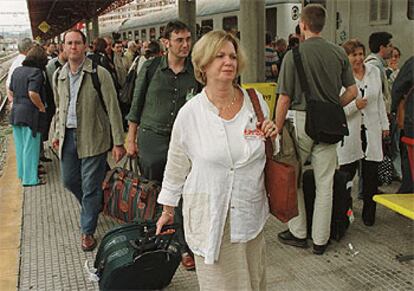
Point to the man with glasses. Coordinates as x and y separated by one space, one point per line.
381 48
161 89
85 126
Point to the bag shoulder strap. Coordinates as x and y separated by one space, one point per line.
301 72
260 117
97 84
152 68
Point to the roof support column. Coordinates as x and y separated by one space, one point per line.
92 28
187 14
252 31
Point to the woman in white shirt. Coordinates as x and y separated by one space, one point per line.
367 123
215 163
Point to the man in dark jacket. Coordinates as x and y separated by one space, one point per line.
403 89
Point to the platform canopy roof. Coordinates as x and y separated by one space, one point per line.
49 18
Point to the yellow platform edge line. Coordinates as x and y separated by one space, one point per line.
11 193
381 199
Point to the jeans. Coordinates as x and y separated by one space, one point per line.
324 161
83 177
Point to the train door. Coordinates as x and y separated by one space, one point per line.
271 21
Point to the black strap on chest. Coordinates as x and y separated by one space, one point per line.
97 84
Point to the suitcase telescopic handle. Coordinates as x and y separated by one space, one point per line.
167 230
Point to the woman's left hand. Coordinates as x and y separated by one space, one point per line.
269 129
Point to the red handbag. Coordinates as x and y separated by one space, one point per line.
280 178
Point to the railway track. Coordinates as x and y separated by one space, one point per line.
5 128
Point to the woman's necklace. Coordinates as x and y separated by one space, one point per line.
225 108
228 106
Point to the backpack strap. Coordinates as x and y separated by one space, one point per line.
301 72
152 68
97 84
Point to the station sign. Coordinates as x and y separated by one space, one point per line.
44 26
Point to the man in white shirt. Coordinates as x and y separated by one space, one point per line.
24 45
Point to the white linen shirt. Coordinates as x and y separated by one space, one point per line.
374 117
200 166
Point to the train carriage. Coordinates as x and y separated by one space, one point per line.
281 18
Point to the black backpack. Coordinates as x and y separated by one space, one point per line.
127 91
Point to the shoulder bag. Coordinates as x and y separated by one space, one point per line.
280 178
325 121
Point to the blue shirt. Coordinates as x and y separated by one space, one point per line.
74 85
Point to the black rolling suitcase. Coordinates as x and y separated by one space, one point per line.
342 203
132 257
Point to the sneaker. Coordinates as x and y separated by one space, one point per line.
287 238
319 249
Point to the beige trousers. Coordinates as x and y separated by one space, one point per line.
324 161
241 266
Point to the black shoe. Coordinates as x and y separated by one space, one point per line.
319 250
368 222
287 238
45 160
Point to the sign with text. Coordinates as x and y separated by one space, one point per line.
268 90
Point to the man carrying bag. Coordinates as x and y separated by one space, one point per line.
327 69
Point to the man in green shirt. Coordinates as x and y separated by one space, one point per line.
158 96
327 70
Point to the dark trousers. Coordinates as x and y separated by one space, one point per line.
152 154
407 183
369 177
369 173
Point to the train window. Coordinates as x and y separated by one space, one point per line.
162 28
136 34
129 35
271 21
143 34
410 9
379 12
152 33
207 22
230 23
124 35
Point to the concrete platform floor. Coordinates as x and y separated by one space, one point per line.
51 258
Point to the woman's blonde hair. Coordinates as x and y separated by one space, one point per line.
206 49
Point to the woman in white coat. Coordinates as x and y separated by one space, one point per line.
368 124
215 163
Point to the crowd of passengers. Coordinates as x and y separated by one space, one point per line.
194 129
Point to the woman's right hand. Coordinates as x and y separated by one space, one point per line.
167 217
